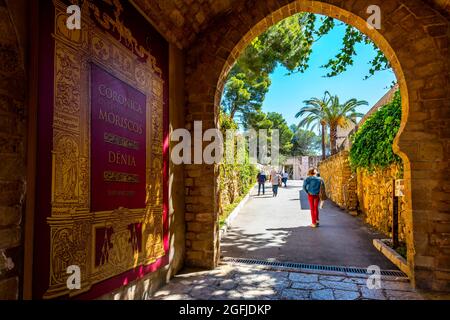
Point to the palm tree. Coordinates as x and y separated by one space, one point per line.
341 115
314 108
329 112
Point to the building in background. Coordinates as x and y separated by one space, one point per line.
298 167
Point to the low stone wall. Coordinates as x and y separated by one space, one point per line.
369 193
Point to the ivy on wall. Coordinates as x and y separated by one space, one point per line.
372 143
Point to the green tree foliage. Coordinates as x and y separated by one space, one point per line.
372 143
304 142
244 93
259 121
226 122
341 115
344 58
288 43
285 133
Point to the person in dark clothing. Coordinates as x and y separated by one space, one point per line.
284 178
262 178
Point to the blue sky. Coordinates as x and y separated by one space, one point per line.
287 92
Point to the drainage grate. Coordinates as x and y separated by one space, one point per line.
294 265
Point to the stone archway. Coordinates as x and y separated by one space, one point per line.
414 38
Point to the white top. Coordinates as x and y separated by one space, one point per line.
275 179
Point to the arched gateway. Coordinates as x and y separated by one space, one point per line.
414 38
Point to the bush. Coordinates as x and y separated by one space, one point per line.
235 180
372 143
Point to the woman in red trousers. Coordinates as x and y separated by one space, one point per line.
312 185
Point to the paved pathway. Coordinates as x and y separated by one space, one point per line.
277 229
241 282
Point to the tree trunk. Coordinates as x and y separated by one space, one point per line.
333 138
232 113
323 142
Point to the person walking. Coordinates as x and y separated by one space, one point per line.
262 178
275 179
312 186
284 179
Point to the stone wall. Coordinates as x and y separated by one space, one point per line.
340 183
369 193
177 222
375 192
182 21
13 131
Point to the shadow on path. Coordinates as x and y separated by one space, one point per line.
304 203
277 229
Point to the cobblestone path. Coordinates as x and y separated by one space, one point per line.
241 282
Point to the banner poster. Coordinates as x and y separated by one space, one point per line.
101 198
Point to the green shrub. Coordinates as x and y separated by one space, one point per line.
372 143
235 180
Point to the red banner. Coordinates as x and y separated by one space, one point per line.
118 143
103 137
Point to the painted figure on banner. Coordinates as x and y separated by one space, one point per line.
62 254
68 159
156 181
